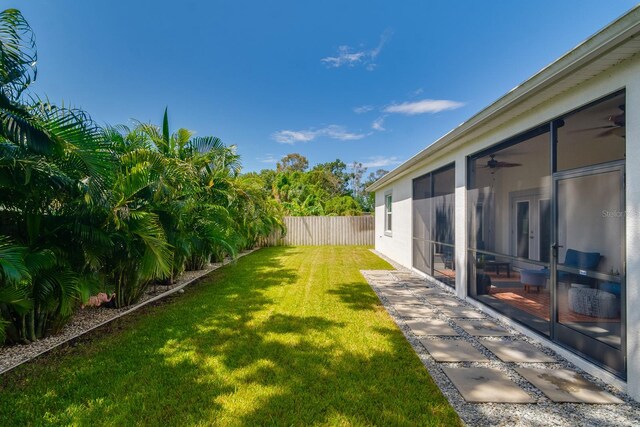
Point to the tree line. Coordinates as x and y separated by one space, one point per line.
330 188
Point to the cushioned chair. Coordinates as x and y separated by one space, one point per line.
580 260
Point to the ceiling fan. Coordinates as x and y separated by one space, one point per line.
615 126
492 163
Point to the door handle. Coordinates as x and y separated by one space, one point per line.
555 248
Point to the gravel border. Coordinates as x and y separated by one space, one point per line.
87 319
542 413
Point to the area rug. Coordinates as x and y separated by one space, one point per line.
537 304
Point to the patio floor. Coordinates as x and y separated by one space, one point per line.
490 373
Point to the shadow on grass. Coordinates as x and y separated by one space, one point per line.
357 295
224 354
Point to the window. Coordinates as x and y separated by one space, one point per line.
388 201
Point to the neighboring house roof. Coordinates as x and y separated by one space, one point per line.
608 47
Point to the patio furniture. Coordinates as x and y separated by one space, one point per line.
447 258
593 302
483 283
534 277
497 265
582 261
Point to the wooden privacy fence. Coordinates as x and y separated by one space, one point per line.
325 230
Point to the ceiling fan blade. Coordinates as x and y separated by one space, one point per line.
617 131
593 128
499 165
507 165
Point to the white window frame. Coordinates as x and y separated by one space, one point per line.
388 213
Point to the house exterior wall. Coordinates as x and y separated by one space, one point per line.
633 229
399 242
398 246
395 242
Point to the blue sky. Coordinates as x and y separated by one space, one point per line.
368 81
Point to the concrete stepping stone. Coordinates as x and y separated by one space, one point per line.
428 292
417 284
398 292
404 299
564 385
431 327
517 351
445 301
400 275
461 312
414 311
486 385
483 328
382 275
453 351
384 283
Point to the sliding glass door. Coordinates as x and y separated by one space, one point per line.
589 263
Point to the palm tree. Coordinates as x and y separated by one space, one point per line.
195 216
54 163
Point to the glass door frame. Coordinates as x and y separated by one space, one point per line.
536 235
565 335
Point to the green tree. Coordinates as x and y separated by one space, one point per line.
368 201
293 162
335 175
342 206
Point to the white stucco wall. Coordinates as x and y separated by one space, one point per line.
398 246
632 80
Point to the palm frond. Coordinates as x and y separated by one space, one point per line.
12 261
18 54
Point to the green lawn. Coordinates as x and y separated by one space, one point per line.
286 336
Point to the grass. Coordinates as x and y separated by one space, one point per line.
286 336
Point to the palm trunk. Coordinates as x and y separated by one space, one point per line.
119 297
41 325
31 332
22 332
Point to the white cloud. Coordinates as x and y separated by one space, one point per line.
380 161
339 132
331 131
363 109
378 124
268 158
350 57
417 92
345 56
423 106
384 37
293 136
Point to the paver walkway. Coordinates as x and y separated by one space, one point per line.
491 374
